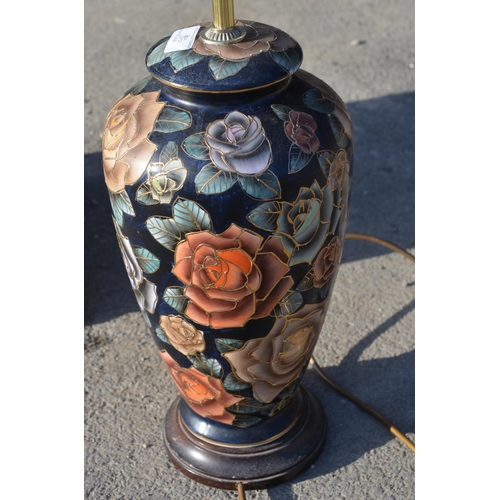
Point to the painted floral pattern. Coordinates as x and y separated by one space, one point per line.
302 225
300 129
164 180
339 175
231 277
240 152
273 362
239 144
204 394
225 61
264 273
327 262
144 290
182 335
125 145
256 41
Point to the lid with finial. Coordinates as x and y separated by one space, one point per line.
224 55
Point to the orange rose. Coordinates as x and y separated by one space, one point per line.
327 262
231 277
204 394
126 150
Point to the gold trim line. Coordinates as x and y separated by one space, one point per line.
189 89
227 445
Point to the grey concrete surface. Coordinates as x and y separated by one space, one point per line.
364 49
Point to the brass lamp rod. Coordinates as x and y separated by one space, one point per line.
223 11
223 30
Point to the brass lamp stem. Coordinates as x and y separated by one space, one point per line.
223 11
223 30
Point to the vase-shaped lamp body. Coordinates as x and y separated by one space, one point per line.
229 171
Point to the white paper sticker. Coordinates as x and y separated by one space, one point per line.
182 39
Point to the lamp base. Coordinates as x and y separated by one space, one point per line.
258 465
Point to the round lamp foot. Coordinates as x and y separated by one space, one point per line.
257 465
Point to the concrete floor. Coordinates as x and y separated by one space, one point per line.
365 50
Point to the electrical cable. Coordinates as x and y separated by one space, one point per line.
393 429
241 491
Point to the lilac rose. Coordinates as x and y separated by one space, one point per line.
239 144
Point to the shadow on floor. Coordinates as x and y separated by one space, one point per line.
387 385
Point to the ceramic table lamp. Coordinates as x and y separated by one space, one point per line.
229 170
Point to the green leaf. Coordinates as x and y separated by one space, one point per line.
223 68
231 383
282 112
213 180
165 231
297 159
316 189
120 204
148 262
175 298
172 119
158 54
244 421
289 304
169 152
265 216
314 99
136 89
307 282
196 147
325 160
248 405
263 187
350 154
337 210
208 366
190 216
338 130
143 194
289 60
161 335
182 59
228 345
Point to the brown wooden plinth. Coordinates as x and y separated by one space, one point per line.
258 465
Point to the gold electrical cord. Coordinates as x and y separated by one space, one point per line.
396 432
241 492
380 241
362 405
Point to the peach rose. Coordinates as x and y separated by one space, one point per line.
326 262
231 277
182 335
272 363
338 176
126 150
204 394
255 42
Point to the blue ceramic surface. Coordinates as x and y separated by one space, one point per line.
265 56
230 211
